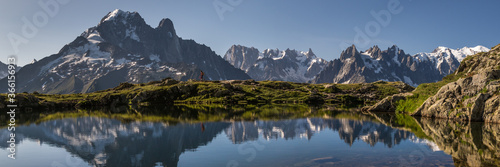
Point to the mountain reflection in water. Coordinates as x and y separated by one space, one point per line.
103 141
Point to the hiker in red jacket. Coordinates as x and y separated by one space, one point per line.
201 75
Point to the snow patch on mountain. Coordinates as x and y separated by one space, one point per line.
154 58
112 15
408 80
94 36
395 58
130 33
447 53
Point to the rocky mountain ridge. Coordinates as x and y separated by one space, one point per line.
393 64
273 64
123 48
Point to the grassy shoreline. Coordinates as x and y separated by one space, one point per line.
235 92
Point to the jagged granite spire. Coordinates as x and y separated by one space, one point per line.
392 64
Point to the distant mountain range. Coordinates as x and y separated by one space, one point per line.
122 48
393 64
94 139
353 66
273 64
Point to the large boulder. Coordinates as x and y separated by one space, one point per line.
387 104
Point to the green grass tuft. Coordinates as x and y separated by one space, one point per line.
422 93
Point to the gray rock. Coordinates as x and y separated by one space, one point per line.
168 82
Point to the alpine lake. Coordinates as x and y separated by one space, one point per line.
248 135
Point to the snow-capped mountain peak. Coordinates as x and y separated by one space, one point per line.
461 53
112 15
440 49
394 48
117 14
310 54
479 48
445 52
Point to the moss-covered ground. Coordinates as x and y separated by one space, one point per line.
173 92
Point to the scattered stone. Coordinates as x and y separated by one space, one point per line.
250 82
169 82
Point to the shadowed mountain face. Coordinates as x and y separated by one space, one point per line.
123 48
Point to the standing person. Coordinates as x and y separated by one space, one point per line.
201 75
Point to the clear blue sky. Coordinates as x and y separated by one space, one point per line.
324 26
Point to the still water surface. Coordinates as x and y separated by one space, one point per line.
97 141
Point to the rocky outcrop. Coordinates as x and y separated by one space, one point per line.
476 97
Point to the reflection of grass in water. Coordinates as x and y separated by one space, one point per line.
208 113
125 117
214 112
410 123
351 116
